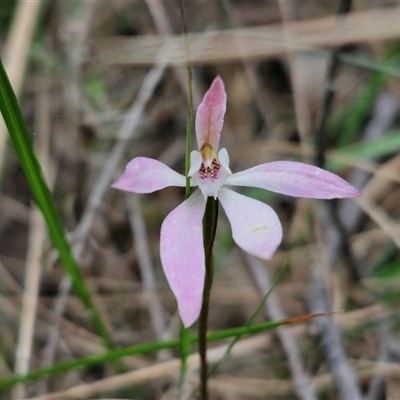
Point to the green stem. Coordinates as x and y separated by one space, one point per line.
185 342
141 349
189 131
250 321
185 352
209 230
189 70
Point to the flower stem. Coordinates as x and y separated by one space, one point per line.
189 70
185 342
209 230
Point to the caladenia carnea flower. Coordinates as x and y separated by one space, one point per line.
255 225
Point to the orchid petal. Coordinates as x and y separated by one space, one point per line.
210 115
223 158
255 226
195 162
145 175
182 255
294 179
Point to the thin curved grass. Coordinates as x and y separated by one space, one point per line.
22 143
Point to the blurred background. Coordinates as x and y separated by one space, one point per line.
101 82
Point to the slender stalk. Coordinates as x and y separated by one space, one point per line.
141 349
184 354
253 316
189 130
209 230
184 336
190 98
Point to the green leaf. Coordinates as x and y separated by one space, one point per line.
22 142
389 271
349 121
146 348
368 150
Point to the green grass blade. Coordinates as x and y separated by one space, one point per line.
360 110
387 67
367 150
356 113
250 321
146 348
22 142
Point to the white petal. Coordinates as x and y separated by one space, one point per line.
145 175
195 162
223 158
182 255
294 179
255 226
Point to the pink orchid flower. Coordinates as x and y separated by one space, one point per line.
255 225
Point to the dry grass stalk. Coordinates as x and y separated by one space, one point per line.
255 42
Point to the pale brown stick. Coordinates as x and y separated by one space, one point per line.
37 237
15 56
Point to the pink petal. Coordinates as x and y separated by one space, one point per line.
210 115
182 255
294 179
255 226
145 175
